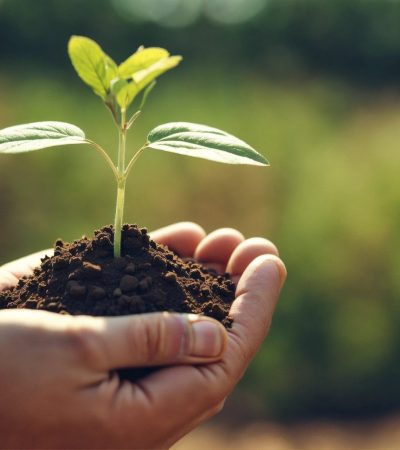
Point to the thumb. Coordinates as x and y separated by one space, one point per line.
155 339
257 295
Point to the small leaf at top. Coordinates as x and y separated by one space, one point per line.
140 79
205 142
93 66
39 135
141 59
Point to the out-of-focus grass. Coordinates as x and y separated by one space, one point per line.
330 200
377 435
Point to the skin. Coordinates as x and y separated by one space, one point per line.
58 388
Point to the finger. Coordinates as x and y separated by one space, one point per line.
7 280
182 237
24 266
248 250
257 294
151 340
218 246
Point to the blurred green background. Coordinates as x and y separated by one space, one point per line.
312 85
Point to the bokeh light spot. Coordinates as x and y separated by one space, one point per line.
231 12
170 13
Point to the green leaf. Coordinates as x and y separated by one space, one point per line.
93 66
205 142
140 79
141 59
35 136
116 85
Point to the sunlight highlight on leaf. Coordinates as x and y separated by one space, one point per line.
141 59
140 79
205 142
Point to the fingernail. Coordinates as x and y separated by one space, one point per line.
207 337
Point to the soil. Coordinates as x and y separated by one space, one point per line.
83 277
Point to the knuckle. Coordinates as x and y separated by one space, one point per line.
83 342
147 336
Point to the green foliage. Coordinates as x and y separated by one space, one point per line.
118 87
139 70
119 84
93 66
35 136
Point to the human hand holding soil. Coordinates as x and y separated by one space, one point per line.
57 381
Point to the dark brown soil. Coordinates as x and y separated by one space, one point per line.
84 278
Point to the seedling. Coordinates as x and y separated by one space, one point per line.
119 88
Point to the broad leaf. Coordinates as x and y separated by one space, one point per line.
205 142
140 79
35 136
93 66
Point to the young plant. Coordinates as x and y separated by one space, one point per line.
119 88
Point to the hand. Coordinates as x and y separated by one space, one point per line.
58 388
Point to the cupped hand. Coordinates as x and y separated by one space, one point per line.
58 384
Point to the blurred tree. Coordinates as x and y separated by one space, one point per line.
358 39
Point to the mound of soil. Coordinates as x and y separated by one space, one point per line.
83 277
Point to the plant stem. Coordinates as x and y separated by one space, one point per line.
119 211
133 160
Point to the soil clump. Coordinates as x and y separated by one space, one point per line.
83 277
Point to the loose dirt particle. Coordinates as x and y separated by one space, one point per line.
75 289
91 270
128 283
130 269
96 293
